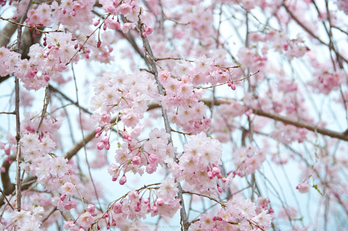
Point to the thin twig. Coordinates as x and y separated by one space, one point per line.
6 199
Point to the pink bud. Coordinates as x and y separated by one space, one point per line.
223 179
216 171
73 13
3 169
62 197
90 208
233 87
87 56
210 175
14 17
117 208
219 189
136 160
153 159
106 215
125 134
105 139
97 135
148 208
98 129
98 44
113 222
155 209
107 146
137 208
100 145
47 78
159 202
8 150
96 22
147 200
123 180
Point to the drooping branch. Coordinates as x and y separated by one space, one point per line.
150 59
287 120
18 123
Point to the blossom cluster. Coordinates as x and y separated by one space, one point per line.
44 63
72 14
162 202
182 93
134 155
127 94
247 160
199 165
238 214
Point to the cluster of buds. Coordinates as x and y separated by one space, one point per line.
231 85
104 143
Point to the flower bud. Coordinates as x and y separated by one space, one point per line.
153 159
155 209
90 208
105 139
117 208
123 180
100 145
159 201
136 160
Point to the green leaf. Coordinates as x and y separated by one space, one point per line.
316 188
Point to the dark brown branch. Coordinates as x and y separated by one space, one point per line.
287 120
